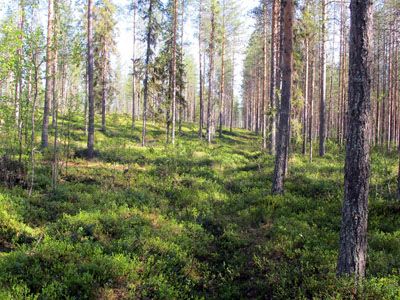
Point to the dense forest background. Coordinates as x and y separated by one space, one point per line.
219 161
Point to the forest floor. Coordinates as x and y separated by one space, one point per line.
194 221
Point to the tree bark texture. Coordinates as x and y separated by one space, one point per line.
353 234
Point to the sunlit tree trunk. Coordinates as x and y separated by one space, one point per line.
210 74
182 103
201 101
90 58
36 67
147 71
134 66
311 107
233 91
322 107
264 86
174 70
284 118
305 108
49 75
353 233
18 81
54 164
104 92
273 74
222 83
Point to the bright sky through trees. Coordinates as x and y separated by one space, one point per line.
124 25
199 149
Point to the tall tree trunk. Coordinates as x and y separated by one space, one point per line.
194 117
33 120
49 75
168 111
90 58
134 66
340 113
330 108
86 106
104 92
384 88
343 87
182 103
322 107
389 94
264 85
222 83
233 91
311 106
257 102
398 121
274 75
18 82
54 170
353 233
146 73
396 89
210 75
174 70
284 118
377 116
201 104
305 108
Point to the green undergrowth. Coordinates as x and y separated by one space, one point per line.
194 221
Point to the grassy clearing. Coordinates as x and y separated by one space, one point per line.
189 222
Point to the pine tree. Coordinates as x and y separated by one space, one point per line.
285 107
90 75
49 74
353 233
148 9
